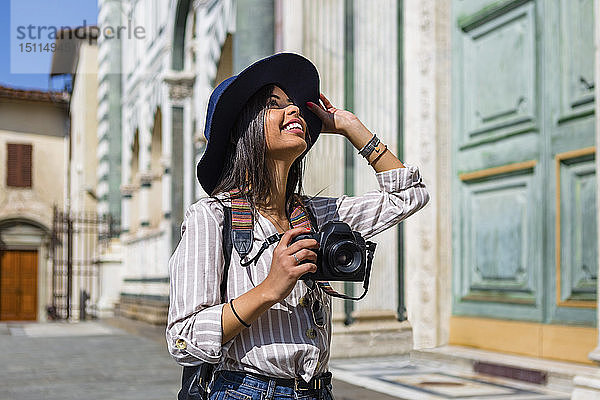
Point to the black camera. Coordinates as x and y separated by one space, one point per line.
341 255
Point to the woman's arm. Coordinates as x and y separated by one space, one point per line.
347 124
359 136
401 190
195 272
249 307
401 193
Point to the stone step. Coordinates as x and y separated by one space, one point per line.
558 374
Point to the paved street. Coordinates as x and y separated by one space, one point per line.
92 363
113 360
122 359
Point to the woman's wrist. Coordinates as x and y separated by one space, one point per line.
381 158
267 297
358 135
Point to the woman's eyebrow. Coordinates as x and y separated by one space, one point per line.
277 97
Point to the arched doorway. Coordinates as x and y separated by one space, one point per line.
179 34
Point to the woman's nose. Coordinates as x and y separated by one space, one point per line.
293 109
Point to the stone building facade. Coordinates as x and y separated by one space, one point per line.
32 155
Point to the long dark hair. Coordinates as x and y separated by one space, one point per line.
246 165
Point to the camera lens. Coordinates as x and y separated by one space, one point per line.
345 257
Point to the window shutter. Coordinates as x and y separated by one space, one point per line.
26 165
18 165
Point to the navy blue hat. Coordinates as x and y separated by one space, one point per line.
293 73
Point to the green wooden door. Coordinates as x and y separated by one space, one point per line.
524 188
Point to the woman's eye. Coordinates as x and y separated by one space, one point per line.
273 103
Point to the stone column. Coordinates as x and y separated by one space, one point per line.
180 84
126 195
144 199
292 34
254 35
588 387
145 176
165 163
110 271
427 133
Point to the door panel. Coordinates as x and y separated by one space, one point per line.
498 58
18 285
9 286
524 210
498 224
570 127
576 56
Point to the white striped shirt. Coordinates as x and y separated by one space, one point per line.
277 343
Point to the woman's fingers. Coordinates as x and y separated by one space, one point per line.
325 101
317 109
290 234
302 244
306 254
308 267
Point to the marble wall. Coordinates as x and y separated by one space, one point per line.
427 144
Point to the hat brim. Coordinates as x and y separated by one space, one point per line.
295 74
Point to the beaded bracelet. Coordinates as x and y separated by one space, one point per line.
379 155
236 314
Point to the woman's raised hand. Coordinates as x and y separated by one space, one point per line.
285 270
334 119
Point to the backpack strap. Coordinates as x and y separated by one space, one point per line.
242 223
227 248
311 217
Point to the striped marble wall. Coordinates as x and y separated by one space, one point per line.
375 88
376 104
323 44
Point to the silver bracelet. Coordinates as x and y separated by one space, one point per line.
369 147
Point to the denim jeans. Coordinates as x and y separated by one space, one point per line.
229 385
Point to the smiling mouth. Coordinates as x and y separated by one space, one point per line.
296 131
294 127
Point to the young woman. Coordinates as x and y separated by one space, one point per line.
265 336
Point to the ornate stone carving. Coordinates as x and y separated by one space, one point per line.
181 84
146 178
128 190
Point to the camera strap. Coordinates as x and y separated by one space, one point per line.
242 223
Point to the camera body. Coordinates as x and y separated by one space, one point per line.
341 255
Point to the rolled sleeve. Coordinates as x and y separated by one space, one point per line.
194 330
401 193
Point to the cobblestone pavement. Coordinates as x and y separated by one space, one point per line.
116 359
124 359
89 361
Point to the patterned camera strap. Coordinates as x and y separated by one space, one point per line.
242 220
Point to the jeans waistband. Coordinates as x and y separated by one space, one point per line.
261 382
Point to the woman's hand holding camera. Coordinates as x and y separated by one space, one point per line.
285 272
287 269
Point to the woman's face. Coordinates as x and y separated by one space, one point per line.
285 129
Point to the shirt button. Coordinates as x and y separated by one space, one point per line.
180 344
311 333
